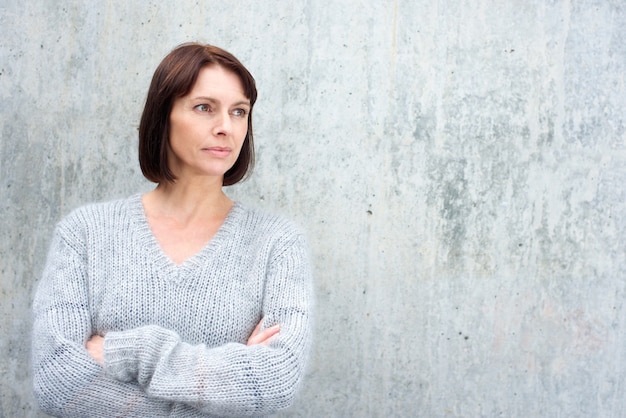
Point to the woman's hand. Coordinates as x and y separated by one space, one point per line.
263 337
95 348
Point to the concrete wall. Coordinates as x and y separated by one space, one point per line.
460 167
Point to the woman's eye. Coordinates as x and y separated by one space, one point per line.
239 112
202 107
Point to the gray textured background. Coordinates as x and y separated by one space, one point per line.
460 168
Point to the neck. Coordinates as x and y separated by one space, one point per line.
189 201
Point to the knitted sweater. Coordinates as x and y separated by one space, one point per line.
175 335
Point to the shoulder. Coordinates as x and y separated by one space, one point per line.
270 232
96 216
258 221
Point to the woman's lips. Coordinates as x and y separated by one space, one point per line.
219 152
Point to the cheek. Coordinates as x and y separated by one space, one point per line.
184 135
243 134
175 132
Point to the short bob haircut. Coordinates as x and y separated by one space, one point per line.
174 78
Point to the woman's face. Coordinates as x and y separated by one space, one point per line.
208 125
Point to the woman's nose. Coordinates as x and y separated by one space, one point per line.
223 124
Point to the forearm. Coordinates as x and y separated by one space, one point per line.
230 380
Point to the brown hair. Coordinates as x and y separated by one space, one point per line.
175 77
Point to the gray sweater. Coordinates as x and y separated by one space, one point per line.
174 334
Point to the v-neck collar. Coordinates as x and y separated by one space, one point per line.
164 266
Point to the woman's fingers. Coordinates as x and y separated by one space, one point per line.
257 328
263 337
253 337
95 348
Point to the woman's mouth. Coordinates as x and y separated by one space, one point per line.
219 152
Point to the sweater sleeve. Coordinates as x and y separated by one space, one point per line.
233 379
67 381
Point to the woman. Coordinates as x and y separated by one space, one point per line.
179 302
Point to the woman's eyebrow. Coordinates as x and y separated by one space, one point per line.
213 100
242 102
205 98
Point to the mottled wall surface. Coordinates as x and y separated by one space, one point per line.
460 168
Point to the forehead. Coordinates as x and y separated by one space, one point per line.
214 80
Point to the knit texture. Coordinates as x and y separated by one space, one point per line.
175 335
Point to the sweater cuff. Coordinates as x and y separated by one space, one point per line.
132 355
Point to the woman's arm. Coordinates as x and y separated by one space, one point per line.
67 381
233 379
95 344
